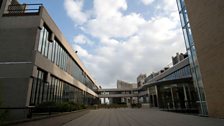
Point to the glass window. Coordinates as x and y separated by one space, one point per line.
186 38
179 5
49 50
38 87
52 88
40 40
182 20
56 52
53 52
46 43
33 92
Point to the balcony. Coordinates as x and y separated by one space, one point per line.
23 9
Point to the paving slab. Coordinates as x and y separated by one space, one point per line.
54 120
141 117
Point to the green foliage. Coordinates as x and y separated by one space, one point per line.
120 105
58 107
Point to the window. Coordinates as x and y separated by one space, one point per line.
55 52
43 45
38 87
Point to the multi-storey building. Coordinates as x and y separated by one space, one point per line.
37 64
203 28
172 89
169 89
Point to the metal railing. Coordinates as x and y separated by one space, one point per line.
23 8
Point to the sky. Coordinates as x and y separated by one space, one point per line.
119 39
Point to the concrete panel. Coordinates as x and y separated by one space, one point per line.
19 21
13 91
206 19
15 70
17 44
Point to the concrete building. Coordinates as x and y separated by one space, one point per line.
141 79
37 64
169 89
176 59
173 88
203 28
125 85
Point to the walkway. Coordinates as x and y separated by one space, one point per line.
141 117
54 120
127 117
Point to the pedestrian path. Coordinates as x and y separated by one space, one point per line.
141 117
54 120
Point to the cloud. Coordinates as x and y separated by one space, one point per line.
74 11
109 8
82 40
129 44
110 22
147 2
81 51
117 26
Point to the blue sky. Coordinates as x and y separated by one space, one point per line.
119 39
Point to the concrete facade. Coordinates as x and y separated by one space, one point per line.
206 19
171 89
21 61
125 85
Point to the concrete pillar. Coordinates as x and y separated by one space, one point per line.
149 100
157 96
153 100
185 97
171 90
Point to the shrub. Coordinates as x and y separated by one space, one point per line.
136 105
58 107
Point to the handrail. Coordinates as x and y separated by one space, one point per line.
24 8
40 4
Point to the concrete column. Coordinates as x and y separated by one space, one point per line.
185 97
153 100
144 99
157 97
171 90
149 97
29 92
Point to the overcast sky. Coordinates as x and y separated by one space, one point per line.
119 39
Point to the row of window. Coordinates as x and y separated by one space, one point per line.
181 73
58 55
38 88
177 96
56 91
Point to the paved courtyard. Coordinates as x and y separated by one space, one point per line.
126 117
141 117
